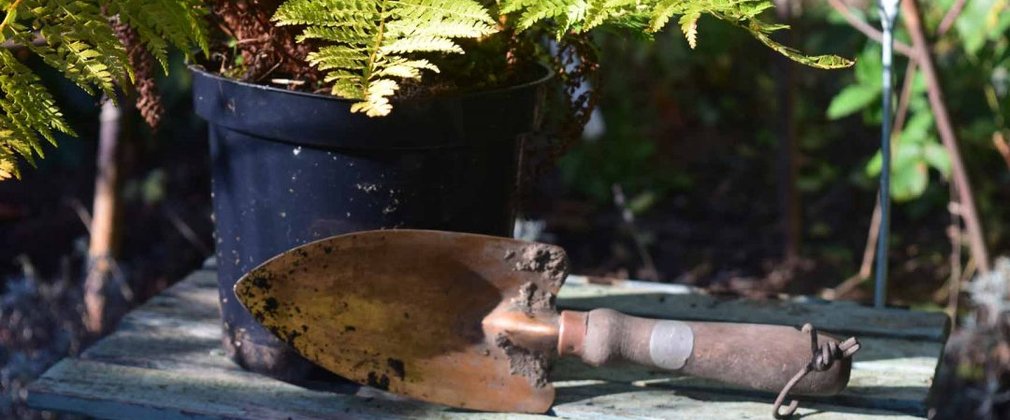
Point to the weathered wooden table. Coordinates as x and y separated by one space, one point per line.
165 361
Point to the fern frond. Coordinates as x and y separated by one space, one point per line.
164 23
78 40
663 11
610 12
406 69
531 12
305 13
376 103
419 44
689 25
336 57
369 41
28 108
575 15
334 33
582 15
691 11
8 164
816 61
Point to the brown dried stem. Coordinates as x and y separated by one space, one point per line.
1002 147
955 232
950 17
934 90
105 229
871 32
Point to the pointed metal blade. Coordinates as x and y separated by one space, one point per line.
413 312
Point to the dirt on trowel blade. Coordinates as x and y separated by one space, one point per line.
551 264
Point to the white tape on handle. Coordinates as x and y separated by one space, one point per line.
671 344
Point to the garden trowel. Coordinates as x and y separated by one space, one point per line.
469 321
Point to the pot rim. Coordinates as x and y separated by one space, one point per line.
548 74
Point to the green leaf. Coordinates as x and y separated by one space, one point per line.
919 83
909 171
902 155
974 24
918 129
852 99
937 157
909 182
872 168
869 67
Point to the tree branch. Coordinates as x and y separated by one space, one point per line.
871 32
972 223
950 17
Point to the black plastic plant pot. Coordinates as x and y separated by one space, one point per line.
290 168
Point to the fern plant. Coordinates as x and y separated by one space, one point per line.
371 43
365 48
77 38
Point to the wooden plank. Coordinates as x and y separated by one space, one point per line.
900 387
603 400
845 318
887 375
891 374
105 390
165 361
124 392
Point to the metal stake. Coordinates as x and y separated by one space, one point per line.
888 12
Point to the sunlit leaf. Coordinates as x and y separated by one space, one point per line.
869 68
937 157
852 99
974 24
909 182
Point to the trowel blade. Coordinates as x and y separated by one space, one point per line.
407 311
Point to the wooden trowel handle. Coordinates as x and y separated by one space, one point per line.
756 356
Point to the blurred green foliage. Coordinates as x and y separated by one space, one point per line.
916 147
677 120
650 98
973 59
